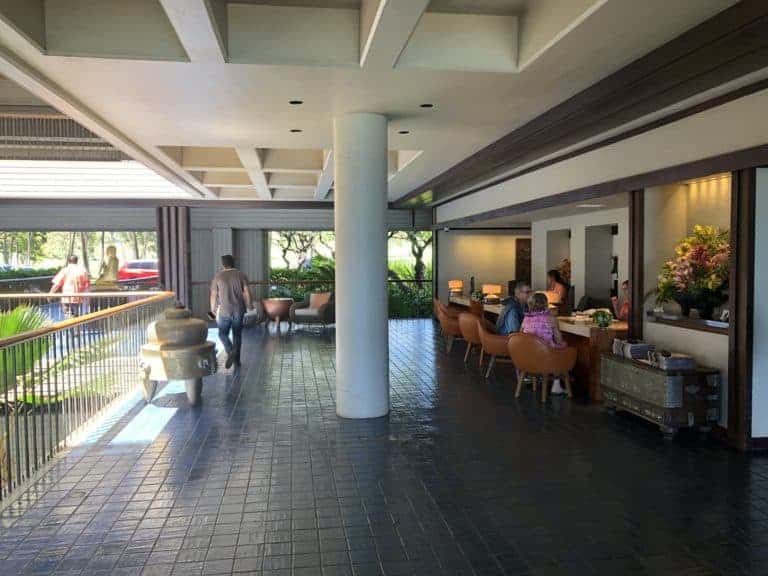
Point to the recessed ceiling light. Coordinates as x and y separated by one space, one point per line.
426 105
296 130
590 206
403 131
296 102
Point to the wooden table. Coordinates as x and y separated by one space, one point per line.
588 339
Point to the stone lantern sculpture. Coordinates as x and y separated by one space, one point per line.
177 349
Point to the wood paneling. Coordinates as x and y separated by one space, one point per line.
741 301
726 47
636 262
740 159
174 251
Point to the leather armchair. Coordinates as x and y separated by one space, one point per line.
469 324
532 356
316 308
449 326
494 345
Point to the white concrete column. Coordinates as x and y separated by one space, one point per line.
360 211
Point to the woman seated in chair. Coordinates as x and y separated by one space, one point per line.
540 322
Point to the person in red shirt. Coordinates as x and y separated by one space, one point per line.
72 279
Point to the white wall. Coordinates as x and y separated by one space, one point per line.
488 255
736 125
578 225
558 247
760 335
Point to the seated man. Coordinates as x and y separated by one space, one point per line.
511 317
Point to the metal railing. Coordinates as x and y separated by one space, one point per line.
55 379
59 306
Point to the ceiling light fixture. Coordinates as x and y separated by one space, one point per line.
296 102
296 130
426 105
590 206
403 132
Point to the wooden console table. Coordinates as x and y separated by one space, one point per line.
671 399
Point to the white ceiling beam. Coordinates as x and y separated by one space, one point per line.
251 160
227 179
292 180
196 27
14 68
326 177
386 36
290 160
206 159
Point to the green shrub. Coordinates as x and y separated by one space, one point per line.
31 273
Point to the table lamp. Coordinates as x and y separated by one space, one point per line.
455 287
491 289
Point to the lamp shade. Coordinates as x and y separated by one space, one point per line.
494 289
455 284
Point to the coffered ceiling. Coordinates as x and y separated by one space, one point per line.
235 99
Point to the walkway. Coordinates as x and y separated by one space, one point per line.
461 479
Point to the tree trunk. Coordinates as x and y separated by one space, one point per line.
71 245
103 252
84 246
135 237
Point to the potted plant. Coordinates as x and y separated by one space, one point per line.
602 318
477 296
697 276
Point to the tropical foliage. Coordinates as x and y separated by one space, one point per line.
19 359
408 298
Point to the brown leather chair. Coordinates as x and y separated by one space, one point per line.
469 326
494 345
476 308
449 327
449 310
532 356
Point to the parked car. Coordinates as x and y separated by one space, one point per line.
138 270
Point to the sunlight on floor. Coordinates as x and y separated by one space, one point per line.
145 426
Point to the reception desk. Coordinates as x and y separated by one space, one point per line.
589 340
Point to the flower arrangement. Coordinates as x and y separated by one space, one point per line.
477 296
697 276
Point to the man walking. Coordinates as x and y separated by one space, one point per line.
230 289
72 279
511 317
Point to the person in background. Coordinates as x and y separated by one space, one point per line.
556 284
72 279
540 322
511 317
621 304
229 289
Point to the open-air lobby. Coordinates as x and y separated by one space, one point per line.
384 287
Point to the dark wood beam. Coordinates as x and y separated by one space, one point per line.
722 49
741 305
636 262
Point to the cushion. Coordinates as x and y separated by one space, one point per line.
317 299
306 314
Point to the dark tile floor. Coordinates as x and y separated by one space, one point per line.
460 479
